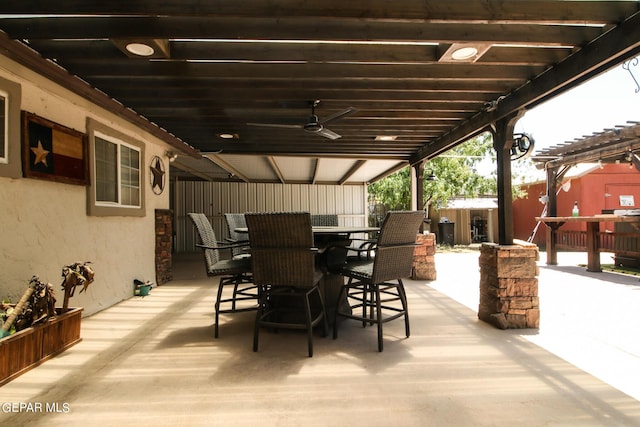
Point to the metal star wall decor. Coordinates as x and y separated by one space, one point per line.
157 172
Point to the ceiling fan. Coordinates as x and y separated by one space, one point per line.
314 125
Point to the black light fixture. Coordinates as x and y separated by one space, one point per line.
171 155
522 146
431 176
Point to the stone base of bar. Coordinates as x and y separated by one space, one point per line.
424 265
509 285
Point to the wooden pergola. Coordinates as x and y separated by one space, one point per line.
617 145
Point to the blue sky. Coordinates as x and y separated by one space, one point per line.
602 102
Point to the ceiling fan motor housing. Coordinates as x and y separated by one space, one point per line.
313 125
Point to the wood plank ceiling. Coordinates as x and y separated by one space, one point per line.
221 68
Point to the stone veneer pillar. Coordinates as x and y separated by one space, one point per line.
164 239
509 285
424 265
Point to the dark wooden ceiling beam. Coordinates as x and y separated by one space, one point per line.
297 89
294 28
281 96
356 166
272 105
319 72
299 115
421 10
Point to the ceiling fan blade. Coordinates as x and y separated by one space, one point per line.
275 125
328 133
339 115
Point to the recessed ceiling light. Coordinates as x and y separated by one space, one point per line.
140 49
143 48
386 138
464 53
228 135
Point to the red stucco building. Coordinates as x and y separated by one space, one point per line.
595 188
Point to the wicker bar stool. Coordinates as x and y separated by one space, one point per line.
235 273
326 220
235 221
284 267
375 290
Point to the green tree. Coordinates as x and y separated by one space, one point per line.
467 170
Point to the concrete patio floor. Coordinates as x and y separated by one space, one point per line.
153 361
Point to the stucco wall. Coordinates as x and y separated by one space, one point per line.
45 224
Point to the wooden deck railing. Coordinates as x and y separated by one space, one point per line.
620 243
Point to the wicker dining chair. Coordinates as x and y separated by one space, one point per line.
375 290
234 273
235 221
283 260
324 220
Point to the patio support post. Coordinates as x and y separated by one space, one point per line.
552 210
502 131
508 270
419 203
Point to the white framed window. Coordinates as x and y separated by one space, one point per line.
10 128
117 184
4 126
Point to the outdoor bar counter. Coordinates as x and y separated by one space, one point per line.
593 230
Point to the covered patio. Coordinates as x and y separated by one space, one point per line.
229 97
321 92
151 361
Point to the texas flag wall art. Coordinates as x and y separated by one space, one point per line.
54 152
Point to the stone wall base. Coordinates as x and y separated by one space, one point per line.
424 265
509 285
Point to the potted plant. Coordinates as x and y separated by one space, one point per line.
141 288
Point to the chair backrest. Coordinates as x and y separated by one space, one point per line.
207 237
236 220
329 220
395 245
281 249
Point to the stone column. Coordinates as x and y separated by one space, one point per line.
164 240
424 265
509 285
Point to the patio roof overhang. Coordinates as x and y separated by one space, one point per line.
218 69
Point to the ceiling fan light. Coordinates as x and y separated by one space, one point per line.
140 49
464 53
227 135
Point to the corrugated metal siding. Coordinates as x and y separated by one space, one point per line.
217 198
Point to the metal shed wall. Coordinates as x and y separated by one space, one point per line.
217 198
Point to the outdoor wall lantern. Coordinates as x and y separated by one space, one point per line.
171 155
